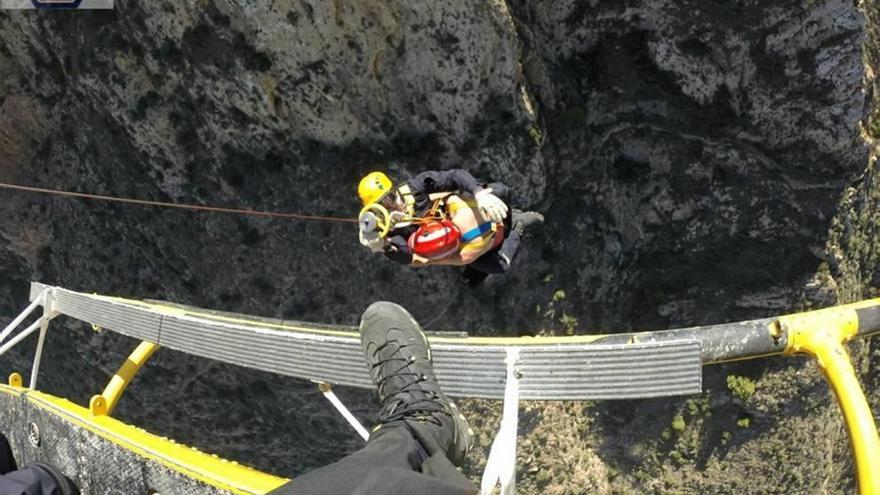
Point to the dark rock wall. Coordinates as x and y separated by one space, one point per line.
686 139
661 139
689 156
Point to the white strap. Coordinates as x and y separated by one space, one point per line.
18 338
327 390
501 465
24 314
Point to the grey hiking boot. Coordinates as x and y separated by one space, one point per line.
523 220
399 359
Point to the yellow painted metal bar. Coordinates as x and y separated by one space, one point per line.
226 475
822 334
15 379
106 402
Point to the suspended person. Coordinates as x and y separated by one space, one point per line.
421 438
443 218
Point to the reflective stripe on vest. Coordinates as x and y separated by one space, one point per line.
408 199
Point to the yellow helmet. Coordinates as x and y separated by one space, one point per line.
373 187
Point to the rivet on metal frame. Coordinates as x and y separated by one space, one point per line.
34 434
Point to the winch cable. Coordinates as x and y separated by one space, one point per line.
144 202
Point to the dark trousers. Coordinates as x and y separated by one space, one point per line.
7 460
393 462
498 260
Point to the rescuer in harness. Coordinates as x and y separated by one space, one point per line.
443 218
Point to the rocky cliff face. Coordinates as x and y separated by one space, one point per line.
695 162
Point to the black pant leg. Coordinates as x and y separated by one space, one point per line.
7 460
510 247
499 260
391 463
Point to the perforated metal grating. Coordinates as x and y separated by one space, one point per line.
465 367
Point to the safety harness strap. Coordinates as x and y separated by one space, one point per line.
476 232
408 199
501 465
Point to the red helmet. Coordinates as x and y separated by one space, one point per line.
435 239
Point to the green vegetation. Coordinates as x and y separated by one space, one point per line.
678 423
872 124
677 457
569 323
557 317
537 136
741 386
558 296
726 437
698 407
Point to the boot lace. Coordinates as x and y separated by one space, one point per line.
404 398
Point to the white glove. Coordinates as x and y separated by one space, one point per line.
368 233
492 207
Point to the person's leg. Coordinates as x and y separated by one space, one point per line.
422 435
393 461
475 273
390 446
471 277
498 260
7 460
361 480
399 359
